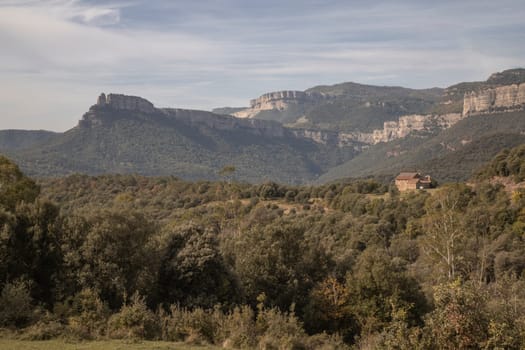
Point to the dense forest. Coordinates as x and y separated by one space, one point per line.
350 264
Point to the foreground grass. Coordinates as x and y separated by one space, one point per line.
12 344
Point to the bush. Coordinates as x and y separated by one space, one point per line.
15 304
134 321
279 330
87 315
198 326
45 329
325 341
238 329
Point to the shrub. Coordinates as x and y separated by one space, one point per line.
15 304
87 315
325 341
197 326
238 329
45 329
134 321
279 330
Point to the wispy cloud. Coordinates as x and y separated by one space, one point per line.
204 54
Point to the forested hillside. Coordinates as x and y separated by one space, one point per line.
453 154
509 162
184 143
323 134
348 264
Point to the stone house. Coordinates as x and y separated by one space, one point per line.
412 181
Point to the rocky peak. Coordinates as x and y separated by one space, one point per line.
125 102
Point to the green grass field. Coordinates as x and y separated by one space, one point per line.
11 344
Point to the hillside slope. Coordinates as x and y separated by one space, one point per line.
450 155
187 144
11 140
352 107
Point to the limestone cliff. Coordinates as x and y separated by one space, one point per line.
115 106
279 101
124 102
406 124
225 122
391 130
500 98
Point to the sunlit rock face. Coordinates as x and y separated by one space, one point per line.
111 106
501 98
279 101
409 123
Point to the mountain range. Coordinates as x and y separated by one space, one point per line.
317 135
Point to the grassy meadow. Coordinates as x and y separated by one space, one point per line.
58 344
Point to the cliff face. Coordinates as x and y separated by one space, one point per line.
105 107
331 138
501 98
391 130
124 102
406 124
279 101
225 122
137 107
116 106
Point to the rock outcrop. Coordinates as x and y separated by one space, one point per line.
279 101
109 108
392 130
197 118
125 102
137 107
501 98
406 124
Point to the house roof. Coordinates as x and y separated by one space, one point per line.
407 176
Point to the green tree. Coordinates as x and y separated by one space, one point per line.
459 320
15 187
30 248
116 257
192 270
280 262
330 309
379 283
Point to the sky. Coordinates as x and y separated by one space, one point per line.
57 56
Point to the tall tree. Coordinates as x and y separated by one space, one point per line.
444 233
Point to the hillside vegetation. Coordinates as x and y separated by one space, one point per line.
11 140
365 107
134 137
134 143
509 162
454 154
349 264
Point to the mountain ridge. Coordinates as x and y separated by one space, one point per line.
128 134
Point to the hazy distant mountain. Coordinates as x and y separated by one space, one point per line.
342 107
350 107
322 134
19 139
125 134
